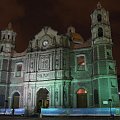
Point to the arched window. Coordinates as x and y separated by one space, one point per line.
18 70
81 62
100 32
8 36
99 17
1 49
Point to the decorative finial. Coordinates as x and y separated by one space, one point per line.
99 5
9 25
46 29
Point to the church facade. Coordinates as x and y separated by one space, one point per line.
60 70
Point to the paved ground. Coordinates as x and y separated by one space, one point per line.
57 118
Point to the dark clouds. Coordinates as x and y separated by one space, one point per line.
29 16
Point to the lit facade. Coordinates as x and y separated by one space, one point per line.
60 70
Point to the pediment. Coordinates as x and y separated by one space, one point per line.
47 38
46 31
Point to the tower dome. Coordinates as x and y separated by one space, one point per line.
77 38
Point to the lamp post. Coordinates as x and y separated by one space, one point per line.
110 105
13 106
5 105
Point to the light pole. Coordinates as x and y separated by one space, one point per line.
5 105
110 105
13 106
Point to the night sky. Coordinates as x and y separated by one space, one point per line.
29 16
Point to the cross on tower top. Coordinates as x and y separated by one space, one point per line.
9 25
99 5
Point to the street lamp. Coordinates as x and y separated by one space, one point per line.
110 103
5 105
13 106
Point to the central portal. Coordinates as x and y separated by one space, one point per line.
42 98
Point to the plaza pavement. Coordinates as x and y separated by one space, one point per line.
58 118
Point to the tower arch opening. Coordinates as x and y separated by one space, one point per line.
100 32
99 17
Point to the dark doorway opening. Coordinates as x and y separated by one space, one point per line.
42 98
16 100
81 98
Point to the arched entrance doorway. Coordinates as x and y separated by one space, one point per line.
42 98
81 98
15 100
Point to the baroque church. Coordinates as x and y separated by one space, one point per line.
60 71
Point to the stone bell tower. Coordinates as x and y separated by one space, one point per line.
105 84
100 28
7 45
7 41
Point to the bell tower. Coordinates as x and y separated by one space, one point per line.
7 45
7 41
100 28
105 84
